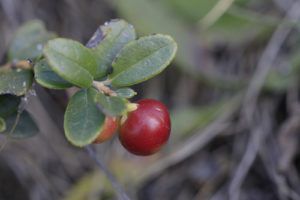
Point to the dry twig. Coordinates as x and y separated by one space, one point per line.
266 61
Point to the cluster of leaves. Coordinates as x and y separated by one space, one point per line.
241 26
113 58
15 83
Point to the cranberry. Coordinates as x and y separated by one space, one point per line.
109 128
147 128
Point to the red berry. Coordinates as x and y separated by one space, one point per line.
147 128
109 128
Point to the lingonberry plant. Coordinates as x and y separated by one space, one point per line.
102 70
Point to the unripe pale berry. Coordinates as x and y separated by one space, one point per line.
109 128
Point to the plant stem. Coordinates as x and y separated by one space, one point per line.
121 194
103 88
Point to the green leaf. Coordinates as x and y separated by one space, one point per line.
159 18
126 93
107 42
142 59
46 77
111 105
29 41
8 105
2 125
16 82
83 120
71 61
25 126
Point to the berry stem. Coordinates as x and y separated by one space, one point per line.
129 108
103 88
121 194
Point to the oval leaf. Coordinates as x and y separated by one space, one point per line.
8 105
71 60
29 41
107 42
83 120
25 126
16 82
142 59
111 105
46 77
2 125
126 93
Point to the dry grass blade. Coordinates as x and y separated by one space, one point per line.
215 13
198 141
119 190
266 60
258 135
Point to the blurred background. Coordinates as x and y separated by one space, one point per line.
233 93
